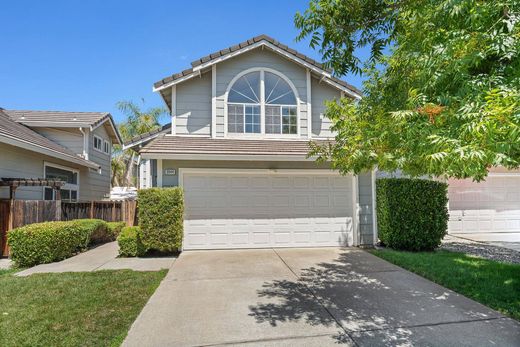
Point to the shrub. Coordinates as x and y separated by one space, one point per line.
47 242
161 218
114 229
412 214
98 229
130 242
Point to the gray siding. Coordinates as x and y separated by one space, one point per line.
194 106
366 227
173 180
320 93
228 69
18 162
70 138
98 184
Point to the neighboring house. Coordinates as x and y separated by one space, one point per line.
241 122
72 146
489 210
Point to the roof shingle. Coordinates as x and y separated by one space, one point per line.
13 132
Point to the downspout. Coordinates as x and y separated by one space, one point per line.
85 142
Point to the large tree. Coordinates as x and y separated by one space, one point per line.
442 84
137 122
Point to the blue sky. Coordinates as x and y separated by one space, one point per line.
87 55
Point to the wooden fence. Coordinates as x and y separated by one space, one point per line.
37 211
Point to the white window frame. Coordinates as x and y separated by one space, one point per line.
262 133
67 186
94 143
106 147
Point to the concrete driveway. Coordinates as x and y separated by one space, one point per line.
309 297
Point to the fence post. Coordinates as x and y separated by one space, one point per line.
113 211
58 204
92 209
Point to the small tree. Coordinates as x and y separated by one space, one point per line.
137 122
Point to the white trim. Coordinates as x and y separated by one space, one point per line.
144 139
262 133
159 172
205 156
112 125
86 135
214 101
278 50
94 143
174 110
373 174
355 210
17 142
68 186
309 105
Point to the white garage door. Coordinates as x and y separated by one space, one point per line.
486 207
260 209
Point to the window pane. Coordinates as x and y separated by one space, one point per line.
252 119
272 120
246 89
277 91
65 194
48 194
235 118
289 120
74 195
61 174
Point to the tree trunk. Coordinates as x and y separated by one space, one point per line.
129 170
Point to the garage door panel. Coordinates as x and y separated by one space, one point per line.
489 206
262 210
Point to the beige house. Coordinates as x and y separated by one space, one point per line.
241 122
74 147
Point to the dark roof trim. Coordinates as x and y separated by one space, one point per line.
253 43
142 138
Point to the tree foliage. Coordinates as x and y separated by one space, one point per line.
137 122
442 89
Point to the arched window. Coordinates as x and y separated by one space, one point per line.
250 107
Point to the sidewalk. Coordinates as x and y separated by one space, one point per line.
103 257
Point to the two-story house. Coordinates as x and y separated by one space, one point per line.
241 122
74 147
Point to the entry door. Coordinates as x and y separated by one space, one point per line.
262 209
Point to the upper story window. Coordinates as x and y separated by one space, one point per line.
262 102
106 147
98 143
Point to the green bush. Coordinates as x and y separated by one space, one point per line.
114 229
161 218
412 214
47 242
98 229
130 242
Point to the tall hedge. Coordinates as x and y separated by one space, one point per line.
161 213
412 214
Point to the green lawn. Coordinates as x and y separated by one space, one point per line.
72 309
491 283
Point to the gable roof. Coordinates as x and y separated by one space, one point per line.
64 119
19 135
261 40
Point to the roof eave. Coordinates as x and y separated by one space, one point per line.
47 151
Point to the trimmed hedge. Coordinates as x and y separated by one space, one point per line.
98 229
412 214
114 229
161 218
48 242
130 243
